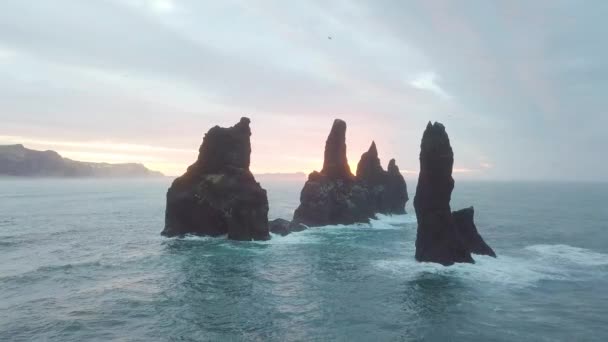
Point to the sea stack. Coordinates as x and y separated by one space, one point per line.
333 196
438 239
335 163
218 194
387 189
465 224
396 190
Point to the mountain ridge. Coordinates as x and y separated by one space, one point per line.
19 161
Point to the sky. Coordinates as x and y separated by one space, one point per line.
521 86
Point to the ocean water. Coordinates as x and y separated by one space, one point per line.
82 260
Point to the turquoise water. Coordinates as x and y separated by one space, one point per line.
82 260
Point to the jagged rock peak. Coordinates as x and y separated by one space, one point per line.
392 167
396 190
435 140
225 150
435 182
369 168
373 151
464 220
335 163
218 194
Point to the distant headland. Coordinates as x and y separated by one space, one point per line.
19 161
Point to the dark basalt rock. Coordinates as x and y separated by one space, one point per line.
283 227
465 224
218 194
279 226
387 189
369 169
335 164
438 239
326 201
395 196
333 196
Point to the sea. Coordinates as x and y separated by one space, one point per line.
83 260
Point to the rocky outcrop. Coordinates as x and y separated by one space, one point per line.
387 189
463 219
335 163
438 239
396 190
279 226
333 196
218 194
283 227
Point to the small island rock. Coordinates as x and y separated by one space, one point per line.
333 196
218 194
387 189
438 239
465 223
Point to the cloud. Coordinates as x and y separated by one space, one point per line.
428 81
519 85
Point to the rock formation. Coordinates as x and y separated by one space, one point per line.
279 226
335 164
465 224
443 237
218 194
438 239
333 196
336 196
387 189
396 190
283 227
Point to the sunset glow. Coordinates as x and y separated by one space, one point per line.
118 97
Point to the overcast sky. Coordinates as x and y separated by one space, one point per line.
521 86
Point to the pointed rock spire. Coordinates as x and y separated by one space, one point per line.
392 167
395 196
437 239
225 149
369 169
335 163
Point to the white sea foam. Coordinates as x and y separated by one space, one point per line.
546 262
382 222
202 238
396 219
569 254
296 238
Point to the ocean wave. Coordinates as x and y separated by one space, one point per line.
504 270
191 237
49 270
295 238
570 254
305 236
396 219
547 262
9 243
